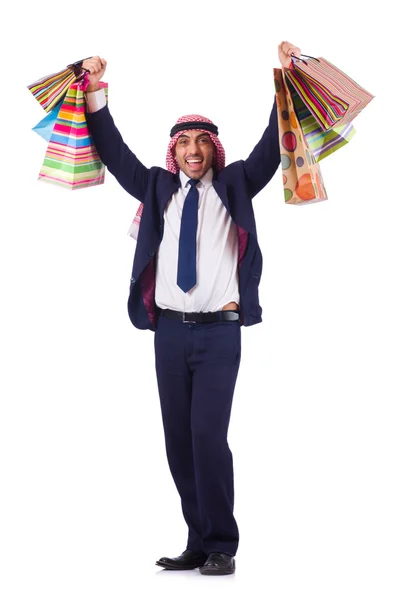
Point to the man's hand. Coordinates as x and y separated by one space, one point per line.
285 49
97 68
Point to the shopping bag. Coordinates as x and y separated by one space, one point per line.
321 143
71 159
332 97
302 179
46 126
50 90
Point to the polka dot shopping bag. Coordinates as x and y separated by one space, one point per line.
302 179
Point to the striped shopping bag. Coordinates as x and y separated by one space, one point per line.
50 90
321 143
332 97
71 159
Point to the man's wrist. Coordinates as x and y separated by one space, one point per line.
92 87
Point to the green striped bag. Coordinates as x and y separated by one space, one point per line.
321 143
50 90
332 97
71 159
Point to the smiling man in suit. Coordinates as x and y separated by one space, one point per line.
194 283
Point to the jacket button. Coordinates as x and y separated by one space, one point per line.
151 253
132 279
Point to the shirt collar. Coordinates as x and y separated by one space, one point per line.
205 181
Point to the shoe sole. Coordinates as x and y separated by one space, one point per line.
216 572
178 568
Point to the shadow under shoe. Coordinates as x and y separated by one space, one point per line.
187 560
218 563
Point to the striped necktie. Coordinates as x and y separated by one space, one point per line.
186 277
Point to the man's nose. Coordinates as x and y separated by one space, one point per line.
193 147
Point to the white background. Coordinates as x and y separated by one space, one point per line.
87 501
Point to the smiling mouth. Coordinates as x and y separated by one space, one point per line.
194 161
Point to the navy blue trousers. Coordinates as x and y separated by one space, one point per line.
197 366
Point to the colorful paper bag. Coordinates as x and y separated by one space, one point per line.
332 97
46 126
302 179
50 90
71 159
321 143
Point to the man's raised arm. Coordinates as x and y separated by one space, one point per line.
113 151
263 161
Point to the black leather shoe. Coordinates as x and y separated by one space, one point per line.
187 560
218 564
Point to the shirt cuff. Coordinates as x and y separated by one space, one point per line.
95 100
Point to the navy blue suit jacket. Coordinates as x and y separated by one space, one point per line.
236 185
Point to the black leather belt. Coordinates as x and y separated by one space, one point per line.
199 317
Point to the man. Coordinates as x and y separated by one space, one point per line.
195 279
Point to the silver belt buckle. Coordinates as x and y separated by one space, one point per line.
184 320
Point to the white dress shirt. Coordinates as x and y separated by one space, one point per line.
217 253
95 100
217 246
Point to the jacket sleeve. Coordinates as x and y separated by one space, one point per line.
264 159
116 155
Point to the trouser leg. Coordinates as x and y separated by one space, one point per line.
214 359
175 390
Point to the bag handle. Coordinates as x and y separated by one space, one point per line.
301 59
79 71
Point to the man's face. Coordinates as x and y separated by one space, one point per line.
194 152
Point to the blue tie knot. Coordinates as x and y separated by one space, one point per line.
194 182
